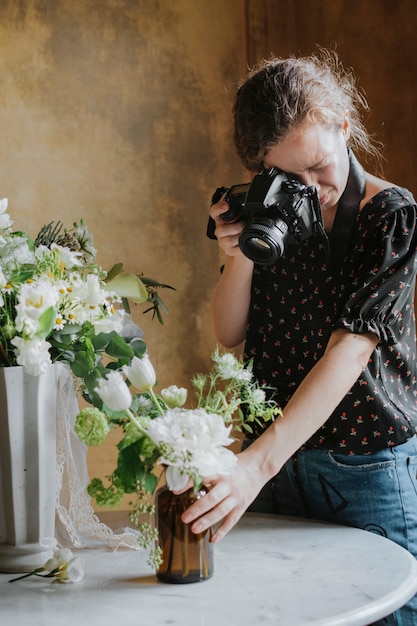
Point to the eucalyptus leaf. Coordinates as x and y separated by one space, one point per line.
83 363
138 346
118 348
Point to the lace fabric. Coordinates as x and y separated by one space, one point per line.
77 524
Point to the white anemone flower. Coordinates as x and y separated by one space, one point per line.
33 354
193 443
114 392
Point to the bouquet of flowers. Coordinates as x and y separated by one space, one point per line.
158 429
57 304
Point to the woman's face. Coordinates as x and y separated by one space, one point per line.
315 155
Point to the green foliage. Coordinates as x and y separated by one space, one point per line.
154 298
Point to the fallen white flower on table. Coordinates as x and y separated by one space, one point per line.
63 567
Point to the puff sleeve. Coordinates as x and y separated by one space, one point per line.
378 283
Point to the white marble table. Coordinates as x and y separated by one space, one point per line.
269 571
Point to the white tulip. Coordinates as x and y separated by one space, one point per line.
114 392
141 373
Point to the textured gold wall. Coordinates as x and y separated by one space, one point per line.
118 111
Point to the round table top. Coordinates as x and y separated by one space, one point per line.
268 570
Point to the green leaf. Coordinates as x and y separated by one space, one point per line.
101 341
138 346
115 271
83 363
130 468
69 329
46 322
90 382
149 482
118 348
23 275
151 282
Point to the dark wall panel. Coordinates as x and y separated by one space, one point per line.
374 37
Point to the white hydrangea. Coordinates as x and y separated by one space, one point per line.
193 442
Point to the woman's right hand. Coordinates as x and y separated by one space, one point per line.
227 233
228 498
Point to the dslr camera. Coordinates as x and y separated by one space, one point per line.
279 211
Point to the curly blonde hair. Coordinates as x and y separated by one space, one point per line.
279 94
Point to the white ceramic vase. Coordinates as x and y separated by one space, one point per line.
27 467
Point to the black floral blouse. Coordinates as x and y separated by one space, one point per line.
298 302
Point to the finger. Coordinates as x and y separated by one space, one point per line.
212 509
226 515
228 229
205 504
227 524
218 209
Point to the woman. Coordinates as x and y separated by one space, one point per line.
334 336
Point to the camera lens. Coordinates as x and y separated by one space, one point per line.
259 244
263 241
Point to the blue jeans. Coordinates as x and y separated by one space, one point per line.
377 493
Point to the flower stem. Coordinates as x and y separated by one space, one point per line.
35 572
156 402
135 421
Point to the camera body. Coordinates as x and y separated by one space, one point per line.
279 211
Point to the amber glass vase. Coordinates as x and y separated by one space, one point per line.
186 557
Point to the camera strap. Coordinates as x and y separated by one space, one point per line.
347 210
